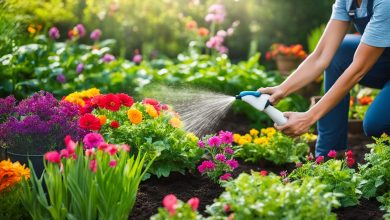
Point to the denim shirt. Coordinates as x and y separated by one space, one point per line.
377 32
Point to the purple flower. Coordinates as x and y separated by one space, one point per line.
137 58
7 105
206 165
226 137
61 78
108 58
225 176
54 33
232 163
95 34
214 141
216 14
229 150
283 173
92 140
201 144
220 157
79 68
81 30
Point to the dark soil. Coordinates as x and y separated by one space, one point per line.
186 186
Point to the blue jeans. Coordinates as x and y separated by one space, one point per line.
333 127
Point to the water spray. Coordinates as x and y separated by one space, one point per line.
261 102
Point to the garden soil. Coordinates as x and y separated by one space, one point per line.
152 191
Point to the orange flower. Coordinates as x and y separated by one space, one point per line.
191 25
351 101
151 111
103 119
175 122
11 173
135 116
31 30
366 100
203 32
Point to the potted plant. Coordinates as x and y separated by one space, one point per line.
287 58
35 125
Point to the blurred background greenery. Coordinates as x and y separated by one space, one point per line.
136 24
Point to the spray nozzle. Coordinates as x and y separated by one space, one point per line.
246 93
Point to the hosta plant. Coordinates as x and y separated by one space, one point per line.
148 126
271 145
219 161
97 181
175 209
258 196
336 175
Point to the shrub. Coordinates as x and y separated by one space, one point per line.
385 200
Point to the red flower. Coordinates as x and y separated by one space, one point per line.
332 154
111 102
169 203
111 149
194 203
53 157
125 99
70 144
93 165
349 154
153 102
319 159
350 162
309 157
89 121
226 207
114 124
263 173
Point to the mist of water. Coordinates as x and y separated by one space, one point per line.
200 110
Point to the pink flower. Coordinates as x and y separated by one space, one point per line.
226 137
215 42
229 150
214 141
319 159
286 180
263 173
92 140
232 163
226 208
81 30
64 153
70 144
350 162
137 58
102 146
223 50
194 203
95 34
309 157
332 154
206 165
216 13
225 176
93 165
112 163
90 152
108 58
53 157
220 157
164 107
126 147
201 144
54 33
169 202
111 149
283 173
298 164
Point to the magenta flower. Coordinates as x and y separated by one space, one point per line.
112 163
226 137
93 165
108 58
80 30
232 163
70 144
54 33
214 141
169 202
206 165
225 176
64 153
90 152
298 164
95 34
194 203
79 68
309 157
92 140
137 58
201 144
53 157
111 149
283 173
319 159
332 154
61 78
220 157
229 150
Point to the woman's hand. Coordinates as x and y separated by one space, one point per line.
276 93
298 123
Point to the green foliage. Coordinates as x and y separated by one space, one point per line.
11 206
385 200
270 145
315 37
335 175
74 191
375 173
266 197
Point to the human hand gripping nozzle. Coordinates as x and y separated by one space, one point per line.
261 103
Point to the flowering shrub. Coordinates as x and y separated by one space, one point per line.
11 174
375 173
38 123
267 197
175 209
86 184
294 51
336 175
150 126
271 145
219 154
360 101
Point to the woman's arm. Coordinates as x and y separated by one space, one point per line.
314 65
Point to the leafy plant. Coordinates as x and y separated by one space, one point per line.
334 174
267 197
270 145
360 101
101 183
314 37
175 209
385 200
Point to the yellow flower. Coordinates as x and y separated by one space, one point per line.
78 97
261 140
192 136
134 115
269 132
31 30
103 119
253 132
309 137
11 173
175 122
384 135
236 138
243 141
248 137
90 93
151 111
